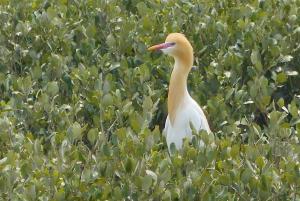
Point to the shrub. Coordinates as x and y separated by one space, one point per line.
82 102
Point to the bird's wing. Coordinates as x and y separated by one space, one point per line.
197 117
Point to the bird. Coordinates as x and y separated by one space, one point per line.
183 110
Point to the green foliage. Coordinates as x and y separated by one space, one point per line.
82 102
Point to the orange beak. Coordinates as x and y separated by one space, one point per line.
160 46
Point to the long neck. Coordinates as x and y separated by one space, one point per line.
178 85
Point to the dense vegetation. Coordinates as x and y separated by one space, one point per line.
82 102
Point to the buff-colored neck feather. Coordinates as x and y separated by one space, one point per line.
178 82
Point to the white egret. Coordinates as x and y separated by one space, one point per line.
183 110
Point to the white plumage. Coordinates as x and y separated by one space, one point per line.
190 112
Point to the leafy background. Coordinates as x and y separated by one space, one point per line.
82 102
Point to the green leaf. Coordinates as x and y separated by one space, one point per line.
74 132
107 100
281 77
293 109
111 41
246 175
92 135
167 195
256 60
51 13
52 88
129 165
280 102
265 100
260 162
147 182
142 8
235 149
147 104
